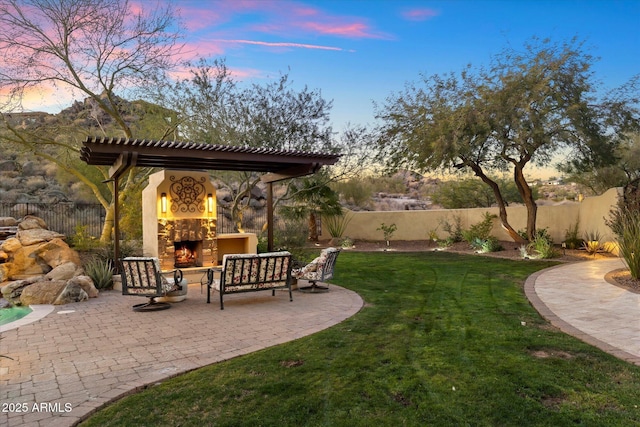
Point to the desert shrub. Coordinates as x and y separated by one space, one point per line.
624 221
541 233
481 230
355 192
387 230
347 242
336 224
105 252
82 240
592 242
100 271
571 236
490 244
542 247
291 237
454 228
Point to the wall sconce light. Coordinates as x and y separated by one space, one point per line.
210 203
163 202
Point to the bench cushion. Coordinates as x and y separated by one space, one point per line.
245 272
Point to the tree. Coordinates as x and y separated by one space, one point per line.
623 169
93 49
312 199
215 109
524 109
472 193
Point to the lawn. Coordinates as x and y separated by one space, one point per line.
443 340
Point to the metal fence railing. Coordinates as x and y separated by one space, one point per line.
64 218
252 221
60 217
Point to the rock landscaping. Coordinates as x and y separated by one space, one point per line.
38 267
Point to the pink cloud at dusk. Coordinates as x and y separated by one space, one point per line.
283 44
274 17
238 74
356 30
419 14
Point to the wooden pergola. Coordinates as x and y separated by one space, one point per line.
121 154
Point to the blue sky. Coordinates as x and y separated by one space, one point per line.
358 52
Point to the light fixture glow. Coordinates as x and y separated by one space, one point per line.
210 202
163 202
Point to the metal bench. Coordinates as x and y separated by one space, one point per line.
251 273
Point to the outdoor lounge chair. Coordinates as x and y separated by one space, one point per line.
142 276
318 270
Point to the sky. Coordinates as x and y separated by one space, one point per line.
357 52
360 51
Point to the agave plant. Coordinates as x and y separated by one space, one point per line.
101 272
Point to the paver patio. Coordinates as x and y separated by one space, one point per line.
84 355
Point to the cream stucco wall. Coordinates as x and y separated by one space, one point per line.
416 225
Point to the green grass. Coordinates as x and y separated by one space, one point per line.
440 342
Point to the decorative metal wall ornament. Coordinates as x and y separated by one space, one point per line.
187 194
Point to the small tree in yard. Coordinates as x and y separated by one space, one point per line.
388 231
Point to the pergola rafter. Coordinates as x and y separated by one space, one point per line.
121 154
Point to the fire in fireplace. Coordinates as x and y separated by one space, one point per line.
188 254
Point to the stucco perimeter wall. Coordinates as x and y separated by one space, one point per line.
417 225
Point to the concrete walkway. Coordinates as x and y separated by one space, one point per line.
576 299
82 356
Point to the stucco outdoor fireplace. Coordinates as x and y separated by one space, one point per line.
179 219
179 224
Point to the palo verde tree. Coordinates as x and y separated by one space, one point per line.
92 49
524 109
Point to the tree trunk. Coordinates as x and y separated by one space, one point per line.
313 230
529 201
502 206
107 228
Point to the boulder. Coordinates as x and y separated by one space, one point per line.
4 273
7 221
36 235
45 292
57 252
25 261
11 245
12 290
42 266
71 293
63 272
31 222
86 284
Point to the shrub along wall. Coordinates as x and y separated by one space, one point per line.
417 225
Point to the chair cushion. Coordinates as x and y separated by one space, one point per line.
314 270
144 283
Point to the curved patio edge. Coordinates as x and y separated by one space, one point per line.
578 300
88 355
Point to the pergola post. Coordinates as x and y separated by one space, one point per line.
270 216
116 221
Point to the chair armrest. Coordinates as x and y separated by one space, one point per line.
177 277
